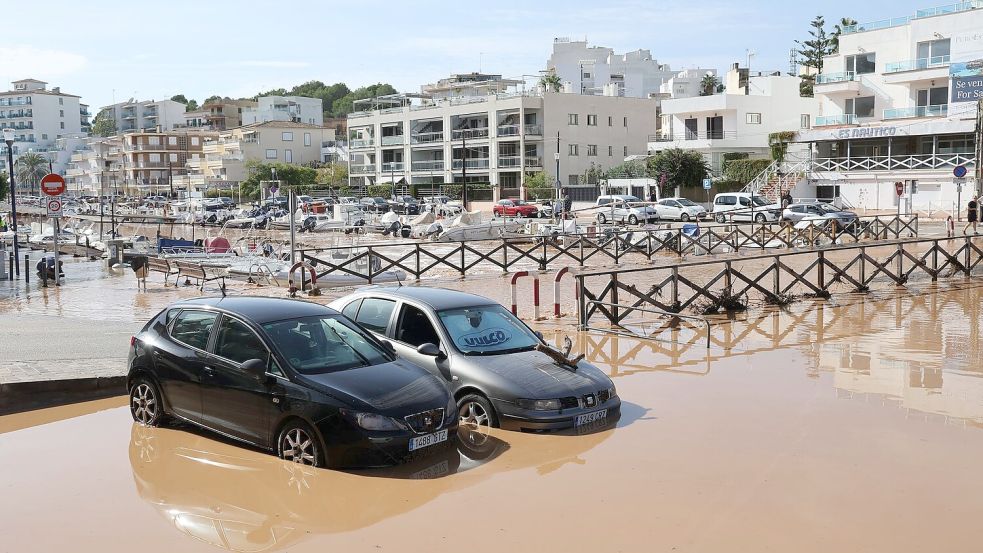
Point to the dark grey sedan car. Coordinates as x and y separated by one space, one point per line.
490 360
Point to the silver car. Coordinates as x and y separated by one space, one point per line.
491 361
819 211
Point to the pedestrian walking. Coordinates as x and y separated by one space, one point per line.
972 215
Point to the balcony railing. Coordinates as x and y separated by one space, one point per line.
390 166
428 137
477 163
4 102
830 120
534 161
892 163
928 12
683 136
363 143
534 130
461 134
507 162
920 111
17 114
508 130
429 165
363 168
830 78
915 65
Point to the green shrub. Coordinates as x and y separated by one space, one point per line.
744 170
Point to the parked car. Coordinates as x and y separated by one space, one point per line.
800 211
682 209
514 207
290 376
443 206
624 208
490 359
744 206
374 204
347 200
404 205
545 208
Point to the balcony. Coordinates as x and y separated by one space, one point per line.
534 130
894 163
477 163
916 65
920 14
831 120
427 137
509 162
685 136
468 134
534 161
362 168
397 140
846 82
150 114
830 78
508 130
362 143
429 165
392 166
920 111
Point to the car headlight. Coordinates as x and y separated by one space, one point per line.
376 422
539 404
450 412
612 392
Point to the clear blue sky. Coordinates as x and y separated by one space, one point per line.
101 49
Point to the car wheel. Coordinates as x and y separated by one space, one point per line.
759 218
684 217
720 218
146 406
299 444
477 410
601 219
632 220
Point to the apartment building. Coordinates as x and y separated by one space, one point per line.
685 84
152 161
489 132
898 104
227 114
148 115
298 109
737 120
92 164
596 70
40 116
224 155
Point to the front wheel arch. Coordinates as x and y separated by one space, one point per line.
301 421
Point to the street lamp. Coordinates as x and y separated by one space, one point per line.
8 138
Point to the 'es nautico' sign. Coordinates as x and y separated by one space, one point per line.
866 132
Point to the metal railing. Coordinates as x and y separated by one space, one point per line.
686 135
509 161
460 134
842 119
427 137
393 140
476 163
363 168
702 320
830 78
927 12
534 161
362 143
429 165
508 130
390 166
919 111
889 163
915 65
533 130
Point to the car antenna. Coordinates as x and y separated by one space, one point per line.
398 280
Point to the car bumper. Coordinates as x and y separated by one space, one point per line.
511 417
364 449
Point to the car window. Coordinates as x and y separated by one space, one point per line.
797 208
687 203
322 344
351 309
760 201
726 200
603 201
415 328
237 342
486 330
745 201
193 328
374 314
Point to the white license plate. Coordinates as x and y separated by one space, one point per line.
588 418
421 442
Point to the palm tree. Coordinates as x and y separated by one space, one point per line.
31 167
551 82
834 40
708 85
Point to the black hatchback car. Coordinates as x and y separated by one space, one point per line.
404 205
294 377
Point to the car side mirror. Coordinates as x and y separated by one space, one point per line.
540 336
255 368
389 346
430 350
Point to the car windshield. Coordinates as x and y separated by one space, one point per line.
322 344
631 199
687 202
519 202
760 200
486 330
827 208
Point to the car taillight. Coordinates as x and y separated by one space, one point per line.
133 341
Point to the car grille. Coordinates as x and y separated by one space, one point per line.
588 401
426 421
569 403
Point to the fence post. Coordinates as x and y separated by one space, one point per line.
417 261
966 264
617 242
461 244
675 287
542 261
615 312
935 260
776 281
863 266
505 255
580 240
900 261
821 271
727 278
369 265
581 303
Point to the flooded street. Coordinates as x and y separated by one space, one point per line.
849 425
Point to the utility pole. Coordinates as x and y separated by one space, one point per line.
170 178
8 139
464 169
556 185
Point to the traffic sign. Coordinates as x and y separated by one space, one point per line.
707 183
899 187
959 171
52 184
54 207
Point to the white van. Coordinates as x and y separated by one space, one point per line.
744 206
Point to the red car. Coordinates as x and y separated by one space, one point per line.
514 207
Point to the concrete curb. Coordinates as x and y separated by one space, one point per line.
16 397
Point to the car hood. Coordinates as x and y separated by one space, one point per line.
394 388
533 374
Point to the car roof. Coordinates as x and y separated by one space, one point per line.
436 298
259 309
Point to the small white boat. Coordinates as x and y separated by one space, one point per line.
469 226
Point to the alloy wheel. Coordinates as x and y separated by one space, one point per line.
474 413
298 447
143 404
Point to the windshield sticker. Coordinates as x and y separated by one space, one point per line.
485 338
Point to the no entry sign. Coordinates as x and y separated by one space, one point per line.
53 185
899 188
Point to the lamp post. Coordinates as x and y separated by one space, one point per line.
8 138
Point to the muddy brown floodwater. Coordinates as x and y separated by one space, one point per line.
851 425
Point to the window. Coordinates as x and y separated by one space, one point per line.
753 118
237 342
324 344
61 113
415 328
935 52
938 96
486 329
307 139
287 136
270 154
288 156
44 137
746 202
610 151
592 149
860 107
573 150
173 158
194 140
572 119
626 122
805 121
154 158
154 141
374 314
691 128
610 121
626 151
63 124
725 200
172 141
61 101
860 64
192 328
591 120
586 75
573 180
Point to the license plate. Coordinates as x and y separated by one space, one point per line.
421 442
433 471
588 418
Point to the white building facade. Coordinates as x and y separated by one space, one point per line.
298 109
596 70
39 116
898 104
148 115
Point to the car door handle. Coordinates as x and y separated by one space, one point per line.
209 370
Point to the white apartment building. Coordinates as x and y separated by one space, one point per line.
898 104
298 109
506 133
685 84
736 121
597 70
148 115
40 116
92 164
